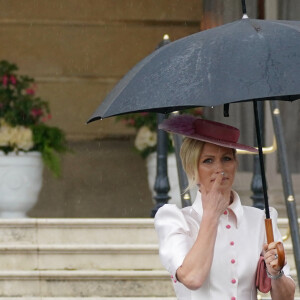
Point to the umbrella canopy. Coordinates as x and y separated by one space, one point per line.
240 61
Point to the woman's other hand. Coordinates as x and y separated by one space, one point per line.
271 258
283 287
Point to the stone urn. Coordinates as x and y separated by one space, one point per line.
20 183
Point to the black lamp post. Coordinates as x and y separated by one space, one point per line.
161 186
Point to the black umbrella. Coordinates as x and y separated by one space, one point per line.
247 60
240 61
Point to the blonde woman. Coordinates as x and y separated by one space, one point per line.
212 248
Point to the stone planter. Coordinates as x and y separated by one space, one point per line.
20 183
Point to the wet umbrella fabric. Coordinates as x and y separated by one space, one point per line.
240 61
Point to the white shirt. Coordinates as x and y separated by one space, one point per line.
239 243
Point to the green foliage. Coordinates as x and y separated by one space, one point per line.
23 113
49 141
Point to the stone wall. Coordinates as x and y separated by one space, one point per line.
77 51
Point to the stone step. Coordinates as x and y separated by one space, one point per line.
25 249
88 257
84 231
106 298
110 284
91 298
85 284
77 231
290 256
80 257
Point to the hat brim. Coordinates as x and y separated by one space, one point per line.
222 143
209 139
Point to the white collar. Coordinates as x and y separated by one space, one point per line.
236 206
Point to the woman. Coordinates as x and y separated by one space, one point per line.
212 248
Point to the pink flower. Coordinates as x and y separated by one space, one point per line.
30 91
198 111
13 80
131 121
36 112
5 80
48 117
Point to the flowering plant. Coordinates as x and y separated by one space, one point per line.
23 116
146 125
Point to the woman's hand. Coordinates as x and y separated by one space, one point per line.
283 287
215 201
197 263
271 258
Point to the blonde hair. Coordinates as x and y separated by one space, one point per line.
190 153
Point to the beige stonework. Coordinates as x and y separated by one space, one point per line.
77 51
102 10
63 258
101 178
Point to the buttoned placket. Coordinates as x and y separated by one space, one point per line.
231 245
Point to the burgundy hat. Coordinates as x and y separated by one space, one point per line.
206 131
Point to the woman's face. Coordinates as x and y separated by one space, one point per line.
214 160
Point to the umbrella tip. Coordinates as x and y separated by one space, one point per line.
92 119
245 16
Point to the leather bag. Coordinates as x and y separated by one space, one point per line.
263 282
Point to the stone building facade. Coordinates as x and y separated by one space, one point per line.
77 51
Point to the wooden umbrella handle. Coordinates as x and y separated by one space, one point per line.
279 245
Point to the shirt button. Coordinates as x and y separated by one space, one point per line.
233 261
231 243
233 281
228 226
